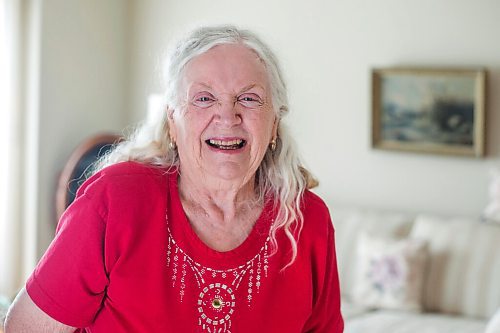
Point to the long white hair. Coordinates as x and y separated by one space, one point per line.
280 174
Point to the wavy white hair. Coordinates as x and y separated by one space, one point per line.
280 174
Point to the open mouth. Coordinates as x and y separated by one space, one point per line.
226 144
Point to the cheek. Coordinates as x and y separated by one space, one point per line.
192 126
262 132
266 125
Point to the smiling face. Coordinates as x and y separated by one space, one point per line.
226 120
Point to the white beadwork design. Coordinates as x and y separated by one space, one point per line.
216 300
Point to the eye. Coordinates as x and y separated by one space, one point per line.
203 100
250 100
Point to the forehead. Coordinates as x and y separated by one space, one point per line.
226 67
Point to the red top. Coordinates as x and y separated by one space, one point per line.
125 259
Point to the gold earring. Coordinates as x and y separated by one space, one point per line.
273 145
172 145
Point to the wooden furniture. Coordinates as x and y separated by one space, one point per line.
79 167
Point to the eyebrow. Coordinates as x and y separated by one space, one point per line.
246 88
250 86
206 85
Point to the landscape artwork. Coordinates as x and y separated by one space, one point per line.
426 110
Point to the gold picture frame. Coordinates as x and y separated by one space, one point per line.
429 110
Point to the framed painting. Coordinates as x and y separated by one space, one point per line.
429 110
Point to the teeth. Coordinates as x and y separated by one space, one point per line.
226 143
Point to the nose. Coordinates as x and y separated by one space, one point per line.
227 113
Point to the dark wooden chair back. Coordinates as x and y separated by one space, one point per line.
80 166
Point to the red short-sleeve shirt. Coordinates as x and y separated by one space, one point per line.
125 259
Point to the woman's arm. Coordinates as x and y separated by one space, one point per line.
25 316
326 315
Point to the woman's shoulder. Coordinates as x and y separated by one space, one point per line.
317 221
126 176
313 204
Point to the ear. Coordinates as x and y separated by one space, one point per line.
171 124
275 128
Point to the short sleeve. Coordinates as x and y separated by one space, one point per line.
326 315
70 280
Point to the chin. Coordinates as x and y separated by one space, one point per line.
230 171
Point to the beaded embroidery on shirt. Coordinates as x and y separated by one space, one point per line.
216 288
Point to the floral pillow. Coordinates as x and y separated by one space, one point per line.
390 273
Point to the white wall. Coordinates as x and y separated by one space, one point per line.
327 49
101 59
83 74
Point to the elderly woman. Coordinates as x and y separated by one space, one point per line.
202 224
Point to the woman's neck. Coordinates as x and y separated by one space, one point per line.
222 214
220 198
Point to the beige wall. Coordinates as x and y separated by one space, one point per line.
101 59
327 49
82 91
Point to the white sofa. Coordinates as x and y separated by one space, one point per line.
460 277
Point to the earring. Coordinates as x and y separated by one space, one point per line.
172 145
273 144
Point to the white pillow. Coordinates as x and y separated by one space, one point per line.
390 272
494 323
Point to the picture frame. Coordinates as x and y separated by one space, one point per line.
429 110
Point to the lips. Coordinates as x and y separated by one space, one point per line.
226 144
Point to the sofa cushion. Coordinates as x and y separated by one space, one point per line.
492 210
386 321
390 272
349 222
494 323
351 310
464 265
